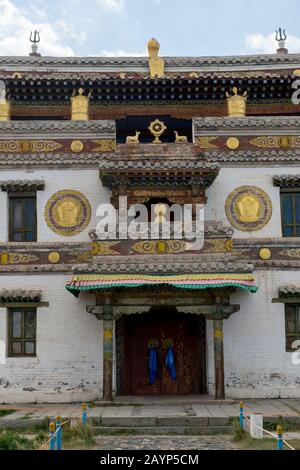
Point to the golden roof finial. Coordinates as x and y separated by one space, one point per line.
236 104
5 106
80 106
156 64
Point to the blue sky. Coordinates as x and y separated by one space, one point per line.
123 27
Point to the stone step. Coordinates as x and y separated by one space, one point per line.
158 421
120 401
163 430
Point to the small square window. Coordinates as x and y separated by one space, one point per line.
21 331
292 326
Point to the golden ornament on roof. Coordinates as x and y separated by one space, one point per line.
157 128
156 64
80 106
236 104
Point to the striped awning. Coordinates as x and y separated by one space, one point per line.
94 282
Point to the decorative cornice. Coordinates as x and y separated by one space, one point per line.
180 62
28 127
289 291
246 123
287 181
22 185
19 295
254 157
127 265
42 159
158 165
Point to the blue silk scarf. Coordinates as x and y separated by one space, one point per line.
170 363
152 365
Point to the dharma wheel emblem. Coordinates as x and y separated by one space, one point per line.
157 128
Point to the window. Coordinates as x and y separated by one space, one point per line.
21 331
22 217
290 209
292 325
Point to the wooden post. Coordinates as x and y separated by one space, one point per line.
107 349
219 360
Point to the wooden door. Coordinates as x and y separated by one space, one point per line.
162 324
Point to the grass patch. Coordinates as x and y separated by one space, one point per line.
6 412
78 435
10 440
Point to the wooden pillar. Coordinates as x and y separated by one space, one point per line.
219 359
107 349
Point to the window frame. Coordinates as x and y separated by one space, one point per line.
294 225
295 335
22 196
23 339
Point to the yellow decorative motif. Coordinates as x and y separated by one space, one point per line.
4 258
17 258
54 257
205 142
104 145
156 64
160 246
80 106
276 141
180 139
157 128
176 277
265 253
220 245
23 146
77 146
108 334
16 75
233 143
248 208
68 212
105 248
194 75
236 104
291 252
218 334
122 75
82 257
297 73
133 139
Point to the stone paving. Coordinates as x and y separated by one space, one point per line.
165 443
118 412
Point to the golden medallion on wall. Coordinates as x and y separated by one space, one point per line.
248 208
76 146
233 143
68 212
265 253
53 257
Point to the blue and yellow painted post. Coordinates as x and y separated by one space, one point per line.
84 414
52 435
241 414
58 433
279 438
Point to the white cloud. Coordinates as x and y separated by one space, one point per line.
15 29
267 44
123 54
116 5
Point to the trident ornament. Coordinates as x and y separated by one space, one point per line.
281 35
34 39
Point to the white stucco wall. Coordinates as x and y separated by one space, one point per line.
256 362
231 178
68 365
85 181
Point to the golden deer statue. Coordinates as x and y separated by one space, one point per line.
180 138
133 139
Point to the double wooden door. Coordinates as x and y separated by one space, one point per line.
163 327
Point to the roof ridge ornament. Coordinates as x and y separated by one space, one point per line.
34 38
281 37
156 64
236 104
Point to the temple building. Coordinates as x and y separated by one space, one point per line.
84 317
